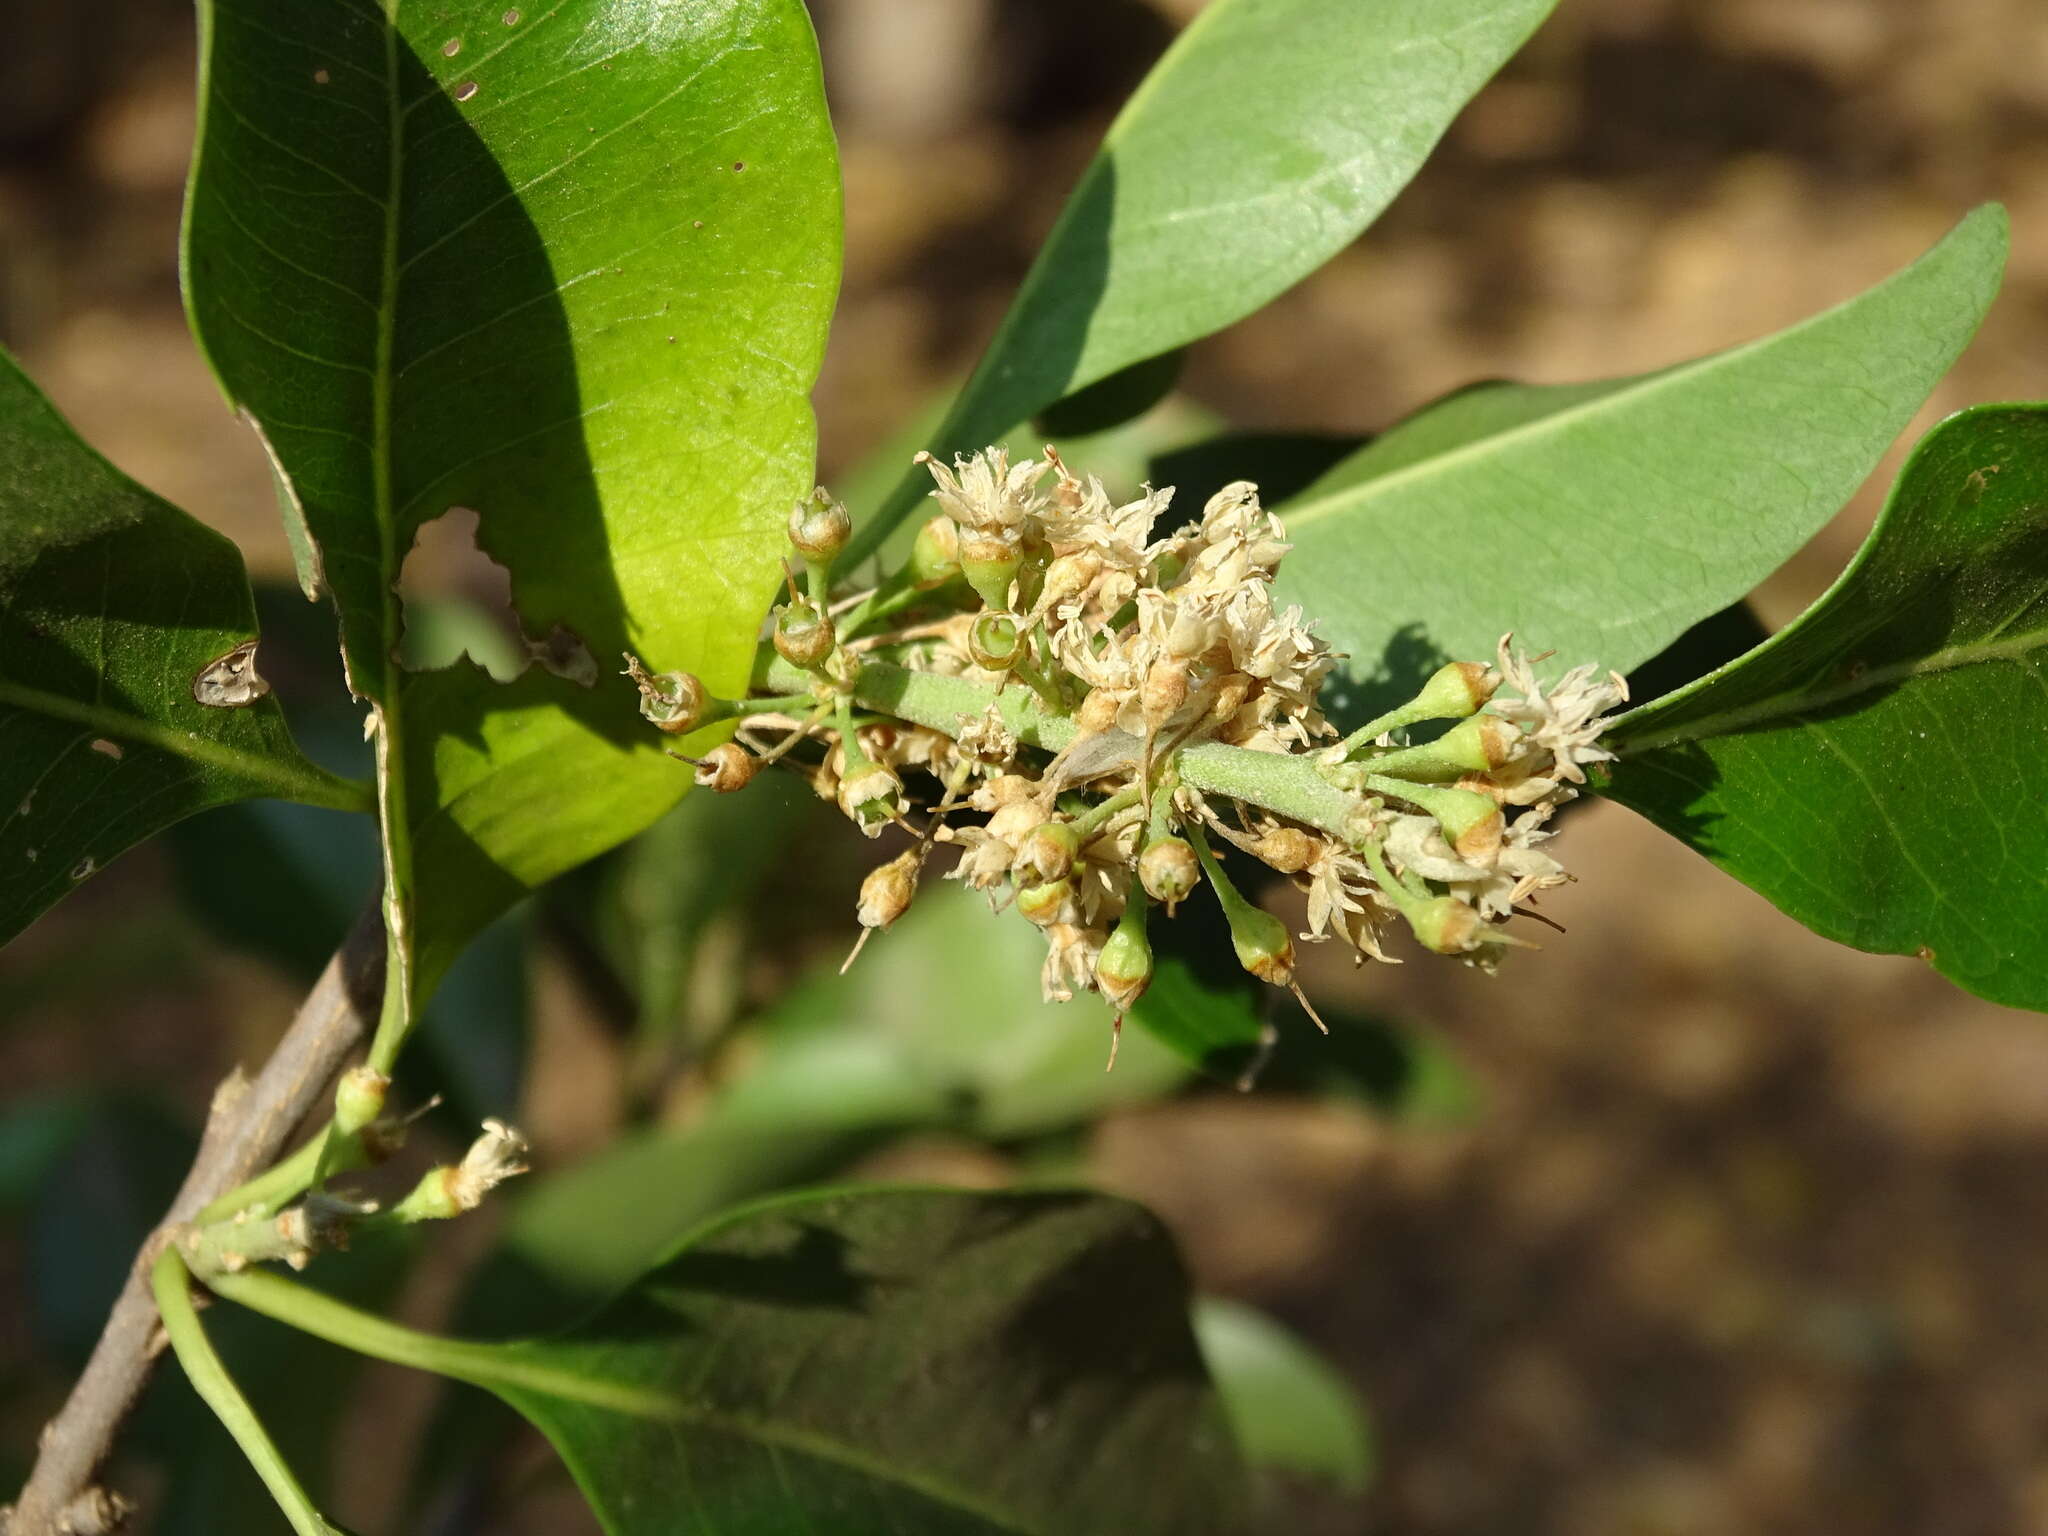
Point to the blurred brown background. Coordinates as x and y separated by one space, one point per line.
1750 1232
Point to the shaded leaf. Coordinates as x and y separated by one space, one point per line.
1269 135
1876 768
1602 520
1281 464
1290 1411
112 603
1110 402
870 1361
940 1025
568 267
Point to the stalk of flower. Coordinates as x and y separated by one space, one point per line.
1104 694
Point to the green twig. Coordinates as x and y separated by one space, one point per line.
172 1284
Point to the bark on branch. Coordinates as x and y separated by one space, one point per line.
246 1130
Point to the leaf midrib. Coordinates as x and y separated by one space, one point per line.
326 790
1360 494
1800 702
485 1365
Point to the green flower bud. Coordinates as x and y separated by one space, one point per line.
1472 822
1169 870
819 527
990 562
1047 852
1046 903
1446 925
1263 944
1124 968
994 641
803 634
1454 691
935 557
359 1098
1475 745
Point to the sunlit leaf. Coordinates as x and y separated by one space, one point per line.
1267 138
1603 520
567 266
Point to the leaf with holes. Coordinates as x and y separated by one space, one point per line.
1270 134
1876 769
1603 520
882 1360
569 267
129 697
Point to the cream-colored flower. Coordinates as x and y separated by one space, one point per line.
986 493
1566 721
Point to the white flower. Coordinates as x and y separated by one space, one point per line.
986 493
494 1157
1567 721
1069 961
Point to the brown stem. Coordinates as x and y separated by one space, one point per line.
246 1129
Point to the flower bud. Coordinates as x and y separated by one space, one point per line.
727 767
1446 925
1474 745
819 527
1287 849
935 556
1472 822
1455 690
1165 690
990 562
1264 946
1047 903
1124 968
994 642
803 635
1047 852
1169 871
359 1098
1097 713
886 893
674 702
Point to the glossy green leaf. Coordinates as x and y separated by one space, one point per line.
1602 520
871 1361
1269 135
1877 768
113 603
1290 1411
568 266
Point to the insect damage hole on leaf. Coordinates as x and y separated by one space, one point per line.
458 601
230 681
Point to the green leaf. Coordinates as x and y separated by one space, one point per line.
1602 520
567 266
870 1361
1269 135
1877 769
1290 1411
112 603
1109 403
940 1025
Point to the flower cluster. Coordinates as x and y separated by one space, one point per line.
1100 697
